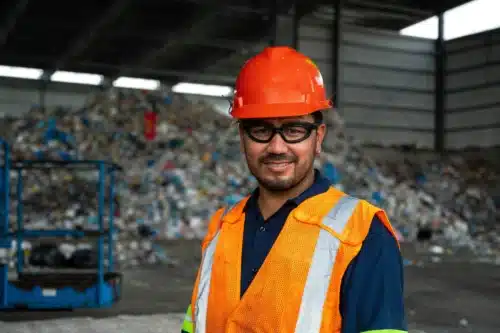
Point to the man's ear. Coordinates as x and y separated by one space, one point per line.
320 137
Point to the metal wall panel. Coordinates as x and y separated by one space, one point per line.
14 102
474 138
473 91
411 121
18 96
480 117
392 137
386 90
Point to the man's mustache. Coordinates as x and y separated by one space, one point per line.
276 158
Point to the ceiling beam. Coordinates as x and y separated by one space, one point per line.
15 11
220 43
192 30
195 25
388 7
229 8
91 32
153 72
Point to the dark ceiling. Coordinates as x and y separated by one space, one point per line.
170 40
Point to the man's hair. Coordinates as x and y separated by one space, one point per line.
318 116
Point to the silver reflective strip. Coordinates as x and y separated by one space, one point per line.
320 272
200 315
204 286
339 215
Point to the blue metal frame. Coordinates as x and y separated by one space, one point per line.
104 292
5 244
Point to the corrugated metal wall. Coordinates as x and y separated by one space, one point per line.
387 82
473 91
18 96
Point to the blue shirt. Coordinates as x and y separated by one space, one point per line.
372 288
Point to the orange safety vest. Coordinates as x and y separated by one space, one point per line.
297 289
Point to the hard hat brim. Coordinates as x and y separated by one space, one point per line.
281 110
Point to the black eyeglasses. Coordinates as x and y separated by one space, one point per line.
290 132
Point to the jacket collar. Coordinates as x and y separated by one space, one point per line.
320 185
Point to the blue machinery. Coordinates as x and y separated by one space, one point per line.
56 290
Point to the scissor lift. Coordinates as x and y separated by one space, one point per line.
56 289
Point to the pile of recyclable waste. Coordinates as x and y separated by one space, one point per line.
167 190
443 203
172 183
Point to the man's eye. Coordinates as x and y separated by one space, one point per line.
295 130
260 130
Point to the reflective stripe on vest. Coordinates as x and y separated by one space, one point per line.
321 270
318 278
200 312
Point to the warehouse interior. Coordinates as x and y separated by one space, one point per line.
146 86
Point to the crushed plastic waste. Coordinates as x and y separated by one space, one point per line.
190 164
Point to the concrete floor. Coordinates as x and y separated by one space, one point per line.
449 297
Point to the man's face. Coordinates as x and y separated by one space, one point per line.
279 165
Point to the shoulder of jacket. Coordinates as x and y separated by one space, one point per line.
350 219
215 222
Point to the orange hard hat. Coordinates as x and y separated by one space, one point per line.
279 82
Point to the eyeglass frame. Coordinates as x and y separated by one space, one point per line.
309 127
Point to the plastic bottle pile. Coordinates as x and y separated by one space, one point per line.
169 188
172 184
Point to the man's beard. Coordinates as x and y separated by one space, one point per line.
278 185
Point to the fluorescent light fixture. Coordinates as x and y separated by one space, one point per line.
79 78
202 89
470 18
136 83
21 72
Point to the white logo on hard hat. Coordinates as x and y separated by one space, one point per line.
319 79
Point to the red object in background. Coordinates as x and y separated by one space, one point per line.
169 165
150 119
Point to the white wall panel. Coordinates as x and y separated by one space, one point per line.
391 137
14 102
66 99
467 58
473 42
485 137
388 78
404 120
386 90
479 117
317 49
387 40
481 76
474 97
473 91
357 54
19 96
386 97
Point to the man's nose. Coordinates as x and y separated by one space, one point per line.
277 145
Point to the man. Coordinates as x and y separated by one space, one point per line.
297 255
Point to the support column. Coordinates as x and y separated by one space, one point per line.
285 31
297 14
273 20
440 77
336 45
